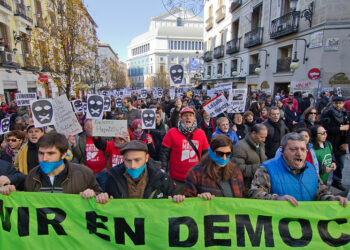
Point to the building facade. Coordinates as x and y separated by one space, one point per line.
19 71
278 45
169 40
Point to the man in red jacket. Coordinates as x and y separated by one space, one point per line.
177 154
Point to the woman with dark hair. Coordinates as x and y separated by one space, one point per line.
248 119
215 175
324 151
264 115
310 118
207 124
256 108
310 155
141 135
15 139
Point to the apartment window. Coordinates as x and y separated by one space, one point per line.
182 45
192 45
179 21
185 45
284 58
234 65
178 45
219 69
254 62
256 16
5 35
285 8
235 26
172 44
175 45
196 46
161 59
209 70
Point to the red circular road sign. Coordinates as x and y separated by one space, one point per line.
44 78
314 74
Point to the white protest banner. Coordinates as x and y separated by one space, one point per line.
65 120
172 94
223 87
216 106
106 103
237 100
211 93
176 73
43 114
24 99
304 86
5 126
148 118
127 93
109 128
95 105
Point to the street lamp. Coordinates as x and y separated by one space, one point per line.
295 62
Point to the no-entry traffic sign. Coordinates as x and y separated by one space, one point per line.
314 74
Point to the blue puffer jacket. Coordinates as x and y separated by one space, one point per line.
285 182
231 134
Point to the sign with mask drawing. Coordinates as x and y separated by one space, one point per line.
78 106
107 103
118 102
42 111
176 75
95 105
148 118
5 126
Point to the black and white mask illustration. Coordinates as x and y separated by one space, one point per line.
177 74
143 93
148 118
107 103
5 125
118 102
42 111
78 105
84 107
95 105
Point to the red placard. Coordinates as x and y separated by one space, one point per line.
314 74
44 78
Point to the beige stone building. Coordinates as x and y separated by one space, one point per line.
278 45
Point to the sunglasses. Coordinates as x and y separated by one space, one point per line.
322 133
13 140
312 113
221 154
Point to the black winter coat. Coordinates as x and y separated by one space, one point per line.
271 143
16 178
159 185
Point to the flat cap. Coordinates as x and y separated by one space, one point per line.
134 145
338 99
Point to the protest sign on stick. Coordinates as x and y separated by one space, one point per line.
43 114
109 128
216 106
24 99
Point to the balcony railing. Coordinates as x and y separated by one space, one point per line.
20 11
235 5
254 37
208 57
283 65
219 51
285 25
232 46
5 4
220 13
209 23
252 68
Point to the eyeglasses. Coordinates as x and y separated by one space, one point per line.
221 154
322 133
312 113
13 140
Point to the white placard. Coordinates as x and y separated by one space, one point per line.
176 73
24 99
148 118
5 126
223 87
109 128
65 120
237 100
95 105
42 111
172 94
211 93
78 106
216 106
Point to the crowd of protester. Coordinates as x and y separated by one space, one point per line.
290 148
